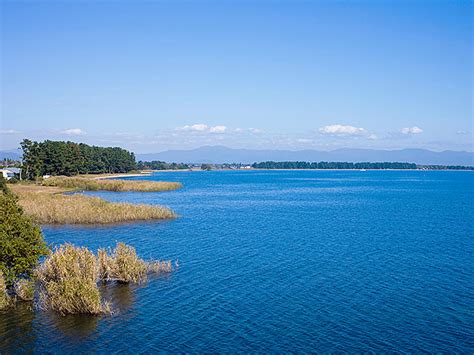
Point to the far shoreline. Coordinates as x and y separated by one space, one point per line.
263 169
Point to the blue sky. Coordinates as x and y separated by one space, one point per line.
156 75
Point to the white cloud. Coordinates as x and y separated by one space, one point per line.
372 136
73 132
218 129
341 130
204 128
199 127
8 131
411 130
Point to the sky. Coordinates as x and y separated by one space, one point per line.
156 75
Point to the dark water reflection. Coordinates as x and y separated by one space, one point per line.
278 261
75 327
16 327
120 296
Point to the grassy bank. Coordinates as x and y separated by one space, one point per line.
94 184
47 205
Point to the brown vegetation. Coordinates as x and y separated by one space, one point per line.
89 184
68 280
123 265
46 205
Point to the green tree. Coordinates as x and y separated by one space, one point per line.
21 242
69 158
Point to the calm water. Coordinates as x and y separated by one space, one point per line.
280 261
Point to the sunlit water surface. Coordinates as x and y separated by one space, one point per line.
283 261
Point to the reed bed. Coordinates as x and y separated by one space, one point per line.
68 277
48 208
68 280
89 184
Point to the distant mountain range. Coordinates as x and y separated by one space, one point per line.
221 154
13 154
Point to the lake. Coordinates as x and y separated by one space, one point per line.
277 261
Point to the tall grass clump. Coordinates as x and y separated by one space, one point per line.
123 265
88 184
68 279
4 298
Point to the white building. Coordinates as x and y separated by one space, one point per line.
9 173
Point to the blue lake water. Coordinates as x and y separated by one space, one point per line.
283 261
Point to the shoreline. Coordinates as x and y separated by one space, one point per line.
199 170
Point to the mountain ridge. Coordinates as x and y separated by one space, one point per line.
222 154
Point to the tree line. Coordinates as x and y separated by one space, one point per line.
331 165
445 167
161 165
69 158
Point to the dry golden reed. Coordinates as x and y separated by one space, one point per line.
68 279
123 265
47 208
82 183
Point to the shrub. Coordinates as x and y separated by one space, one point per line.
13 180
24 289
3 185
68 280
4 299
21 242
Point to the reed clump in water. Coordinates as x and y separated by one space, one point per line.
123 265
89 184
4 298
49 208
68 278
24 289
68 282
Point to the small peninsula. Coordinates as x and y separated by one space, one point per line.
46 191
